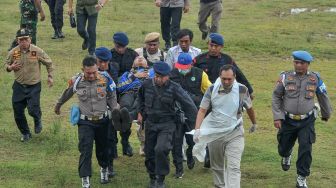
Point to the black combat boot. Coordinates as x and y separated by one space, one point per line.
160 181
55 36
152 181
26 137
38 127
111 172
60 33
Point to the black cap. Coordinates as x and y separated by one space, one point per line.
22 33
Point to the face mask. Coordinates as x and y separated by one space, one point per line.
184 72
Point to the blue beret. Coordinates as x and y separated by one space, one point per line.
302 55
216 38
103 54
120 38
161 68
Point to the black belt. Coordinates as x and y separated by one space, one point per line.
161 120
26 85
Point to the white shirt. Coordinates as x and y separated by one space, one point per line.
174 52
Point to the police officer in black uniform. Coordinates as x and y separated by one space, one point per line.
103 57
156 99
124 57
214 59
195 81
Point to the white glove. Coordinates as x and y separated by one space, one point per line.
253 128
197 134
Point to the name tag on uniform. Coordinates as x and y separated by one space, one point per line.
290 87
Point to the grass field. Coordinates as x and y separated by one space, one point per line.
259 34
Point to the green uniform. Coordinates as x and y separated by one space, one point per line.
29 17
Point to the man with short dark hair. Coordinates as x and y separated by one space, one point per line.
95 91
212 60
25 61
170 18
295 112
185 38
222 128
156 99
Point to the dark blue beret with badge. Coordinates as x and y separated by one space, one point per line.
103 53
216 38
161 68
303 56
120 38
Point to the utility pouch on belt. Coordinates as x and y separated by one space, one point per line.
179 114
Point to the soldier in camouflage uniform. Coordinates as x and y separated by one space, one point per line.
29 10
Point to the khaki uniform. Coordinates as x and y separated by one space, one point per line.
30 73
27 85
293 103
94 97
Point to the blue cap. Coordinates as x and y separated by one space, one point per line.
216 38
302 55
120 38
161 68
103 54
184 61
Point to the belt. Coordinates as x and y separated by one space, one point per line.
299 117
94 118
161 120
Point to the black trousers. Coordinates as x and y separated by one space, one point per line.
177 147
127 101
111 143
26 96
89 131
158 144
170 18
304 131
56 13
88 33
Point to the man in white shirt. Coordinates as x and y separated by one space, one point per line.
222 128
184 37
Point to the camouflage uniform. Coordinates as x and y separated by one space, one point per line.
29 17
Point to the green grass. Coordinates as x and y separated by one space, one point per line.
259 35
